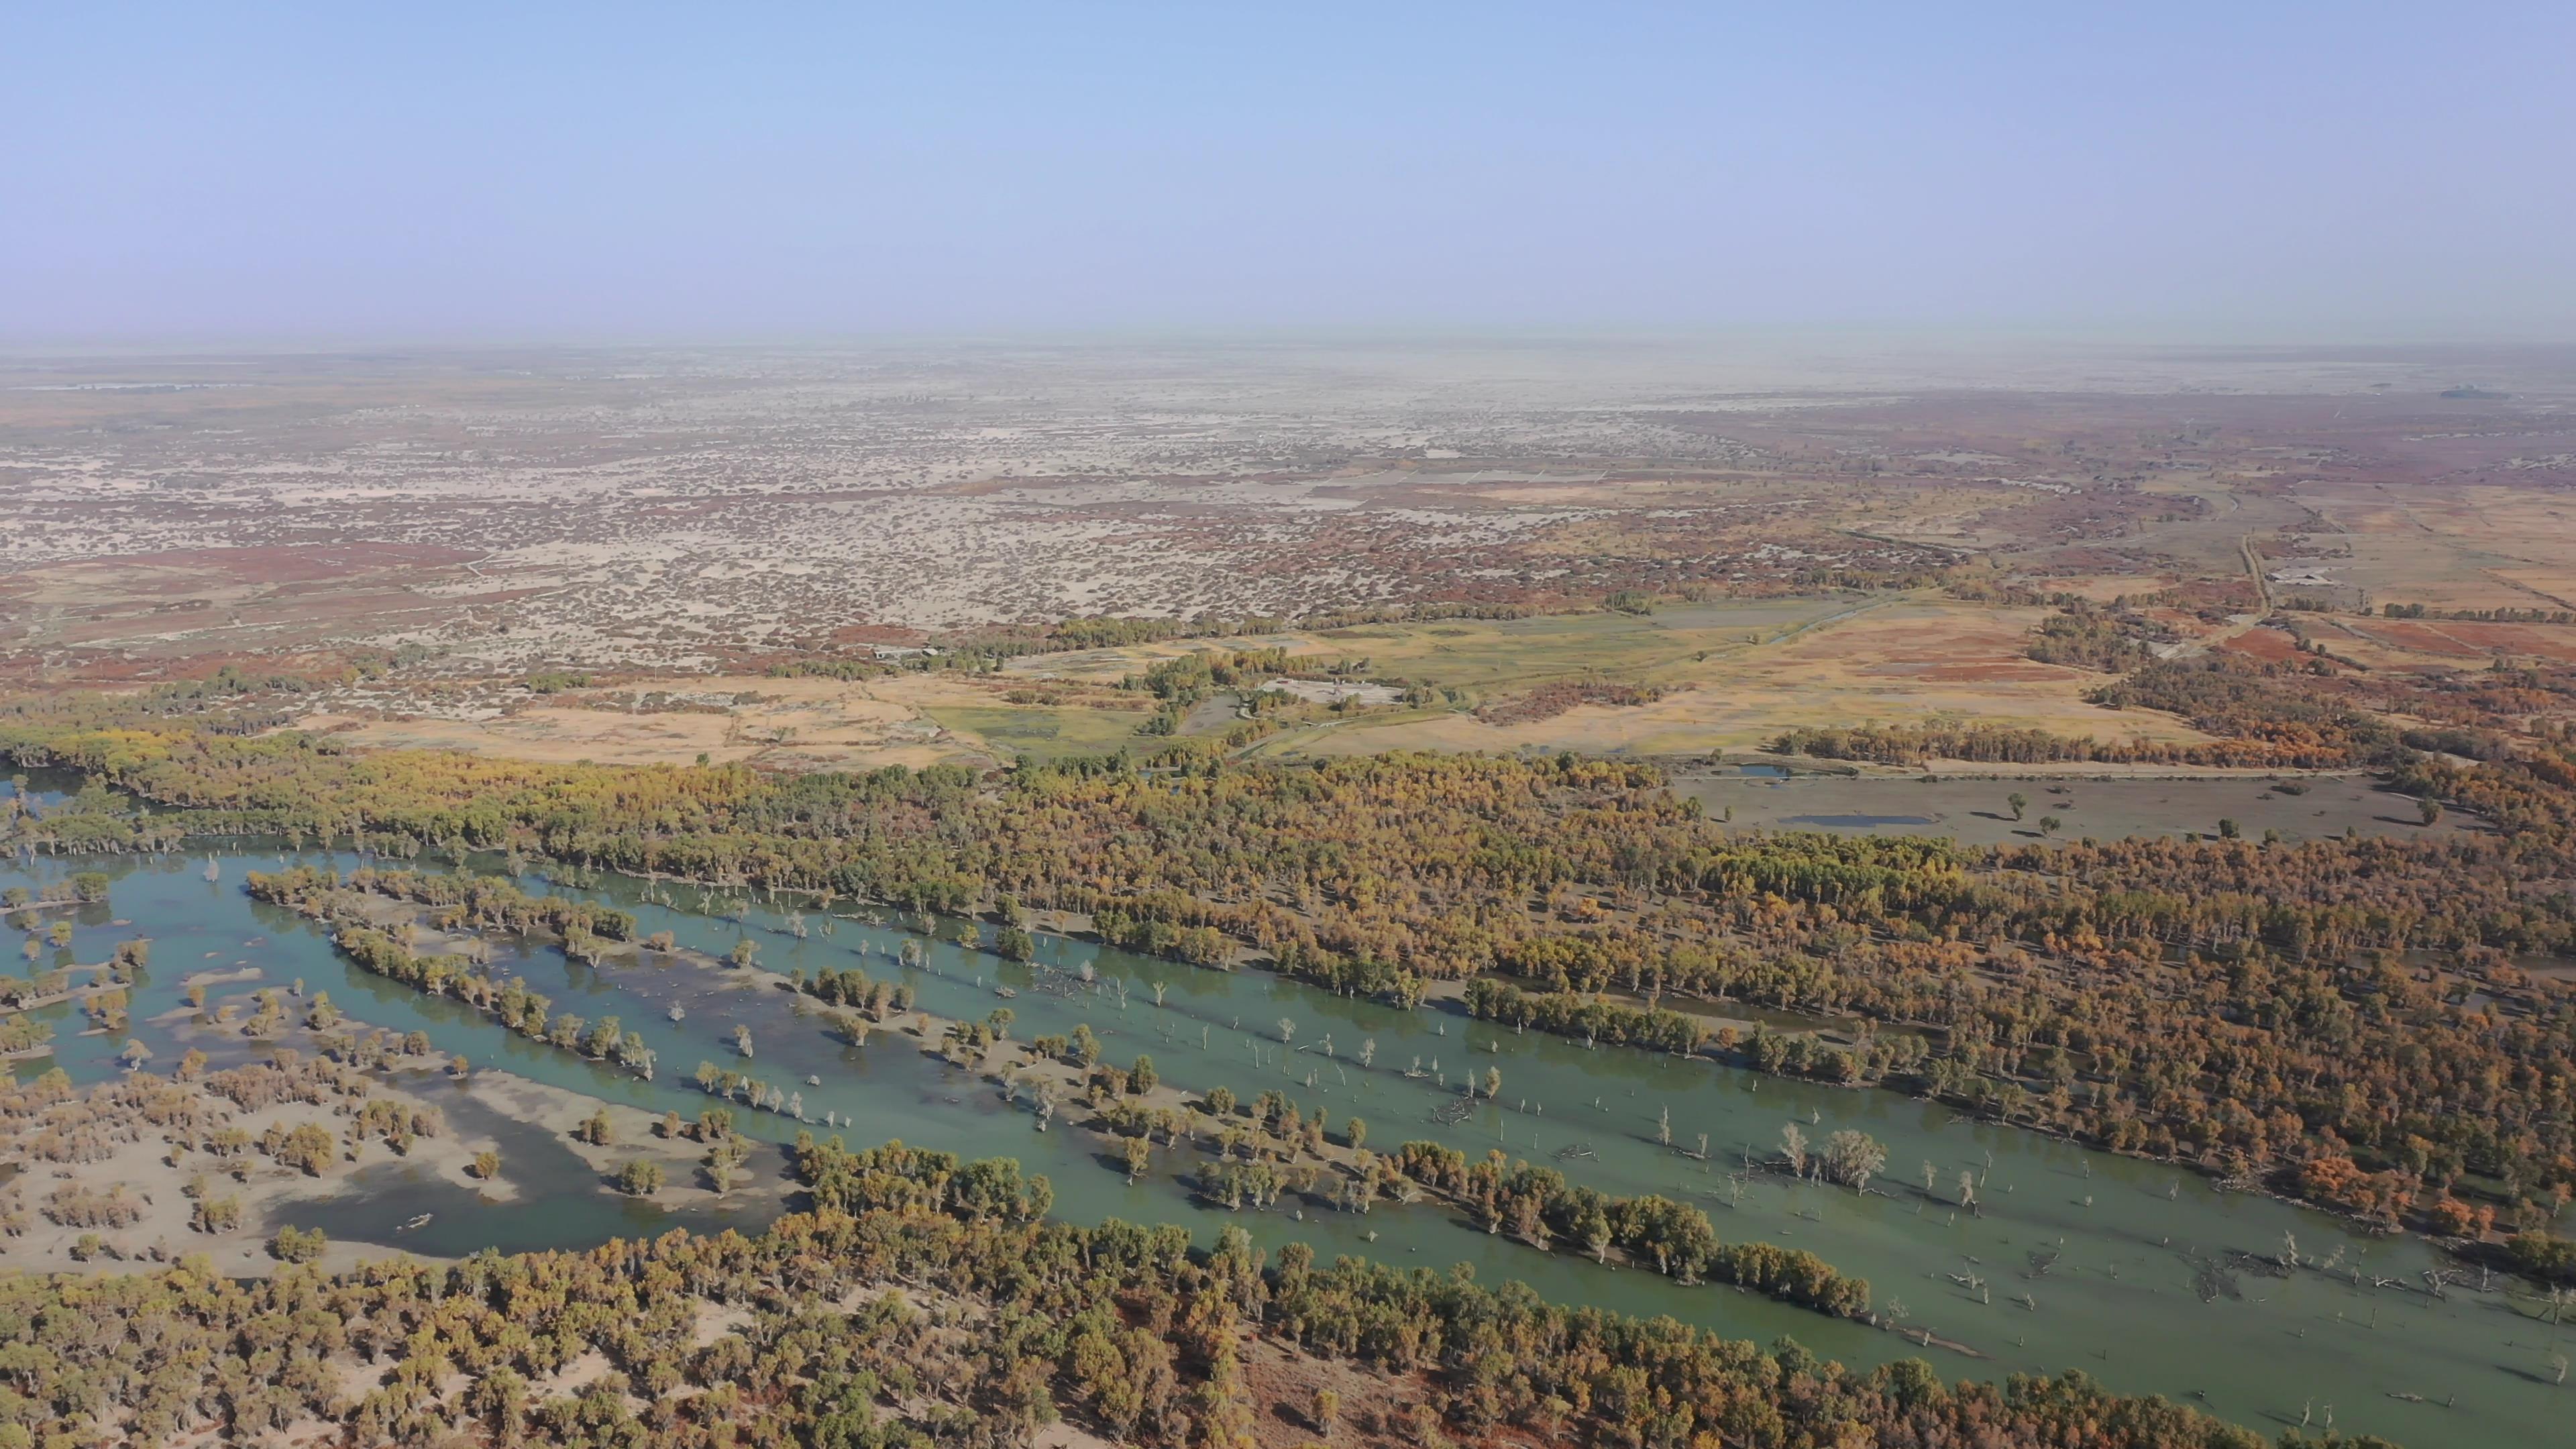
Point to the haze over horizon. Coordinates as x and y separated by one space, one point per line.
2330 173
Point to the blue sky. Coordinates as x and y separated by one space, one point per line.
762 171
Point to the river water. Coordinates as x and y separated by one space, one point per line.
2121 1300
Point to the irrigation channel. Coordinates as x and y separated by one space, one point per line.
2143 1275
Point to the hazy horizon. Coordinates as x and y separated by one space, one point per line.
2332 175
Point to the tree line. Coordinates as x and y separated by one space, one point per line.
922 1303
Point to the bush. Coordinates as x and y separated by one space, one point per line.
297 1245
2539 1255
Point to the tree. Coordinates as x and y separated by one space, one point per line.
1853 1157
1793 1145
1139 1156
1141 1077
297 1245
595 1129
309 1146
640 1178
487 1164
2430 810
2019 802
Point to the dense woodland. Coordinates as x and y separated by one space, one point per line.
2342 1018
2350 1020
923 1303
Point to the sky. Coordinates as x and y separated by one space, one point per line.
2241 171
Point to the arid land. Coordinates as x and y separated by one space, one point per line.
667 533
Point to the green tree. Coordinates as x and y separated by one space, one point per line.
297 1245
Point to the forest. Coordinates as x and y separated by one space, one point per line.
2339 1018
927 1302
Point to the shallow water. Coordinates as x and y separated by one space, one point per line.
2118 1302
1978 811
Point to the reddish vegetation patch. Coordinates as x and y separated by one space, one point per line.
2267 644
282 563
1550 700
100 669
2422 637
2547 641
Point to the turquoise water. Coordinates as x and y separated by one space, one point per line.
2128 1236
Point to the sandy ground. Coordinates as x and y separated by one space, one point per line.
824 721
147 1169
147 1166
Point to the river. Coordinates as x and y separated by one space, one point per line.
2129 1239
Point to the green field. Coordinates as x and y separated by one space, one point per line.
1502 654
1039 731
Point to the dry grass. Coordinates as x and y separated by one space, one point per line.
1905 660
1734 674
814 723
